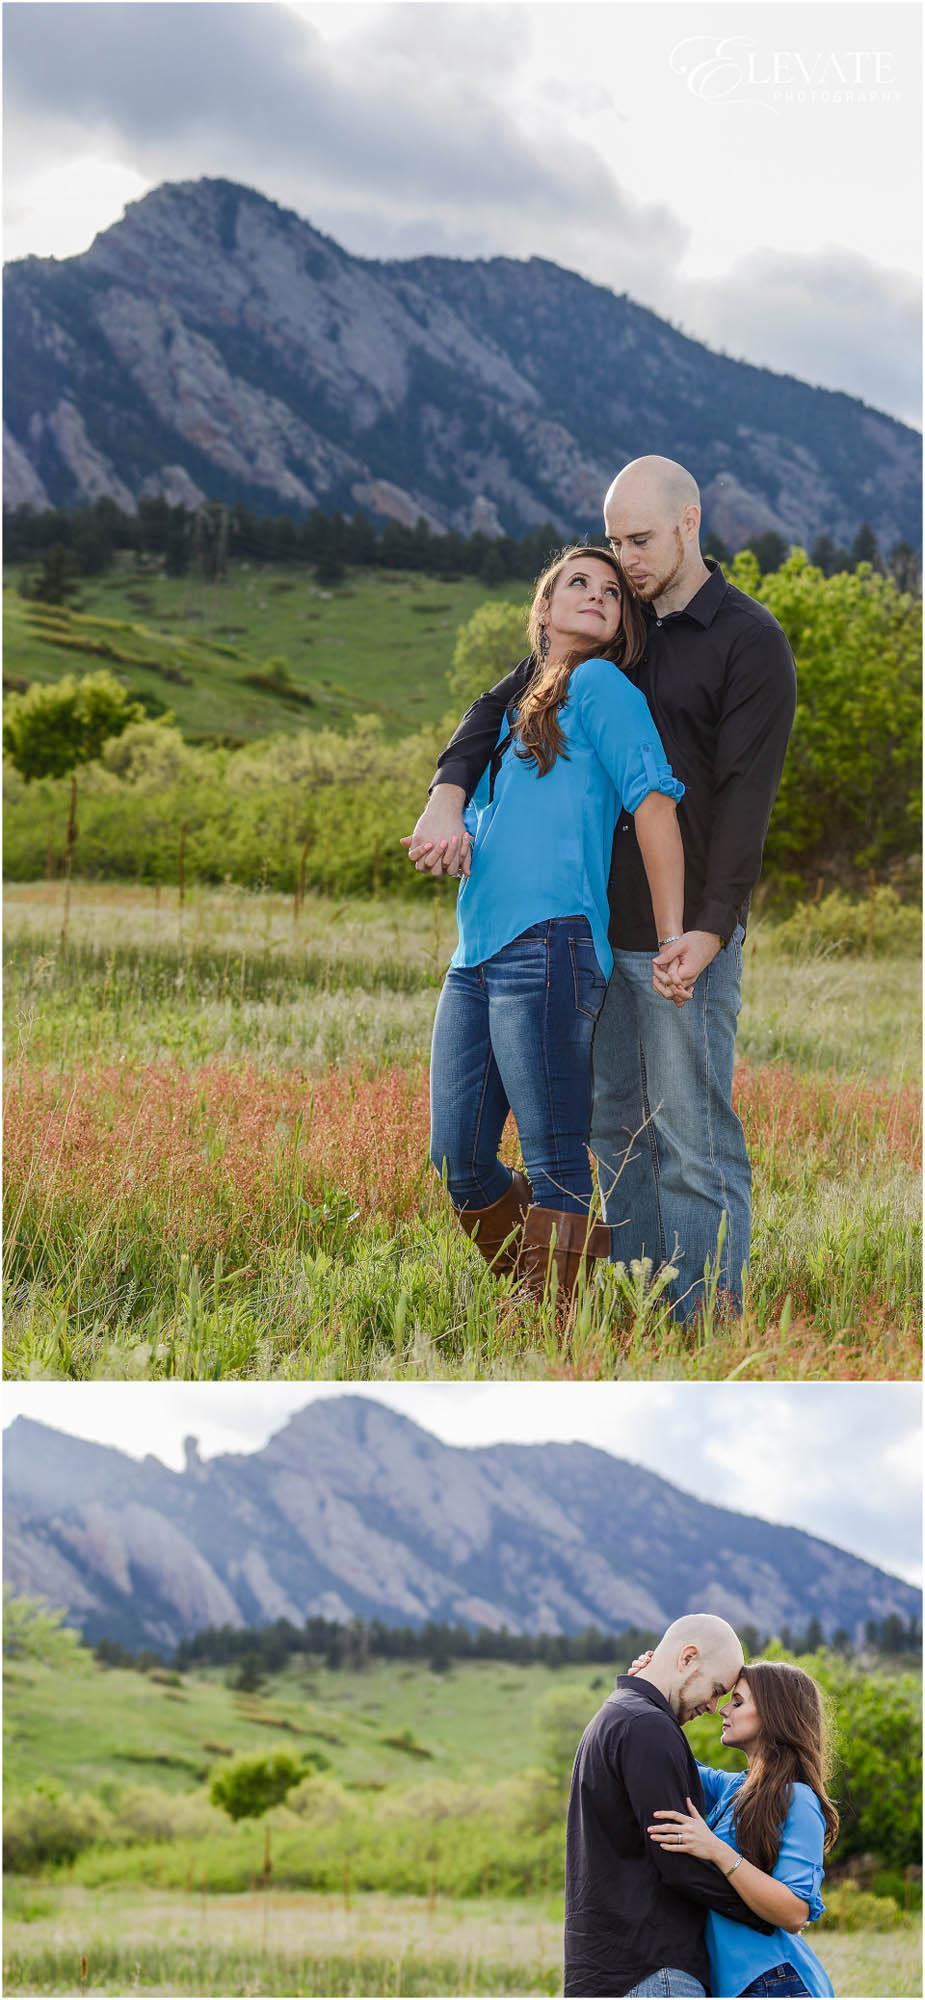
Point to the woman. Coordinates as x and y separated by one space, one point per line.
525 985
767 1829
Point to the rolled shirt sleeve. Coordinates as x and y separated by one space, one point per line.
616 720
801 1852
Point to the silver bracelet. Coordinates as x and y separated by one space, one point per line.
676 939
728 1872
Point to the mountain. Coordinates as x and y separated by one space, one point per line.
213 344
353 1511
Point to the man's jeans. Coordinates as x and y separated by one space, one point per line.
516 1032
670 1150
668 1980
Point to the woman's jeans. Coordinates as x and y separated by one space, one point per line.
670 1149
781 1979
515 1034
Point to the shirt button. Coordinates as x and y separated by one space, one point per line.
658 624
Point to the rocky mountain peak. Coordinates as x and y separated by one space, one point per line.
212 342
352 1505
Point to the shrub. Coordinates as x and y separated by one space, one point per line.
50 1825
848 1908
487 647
878 924
320 1799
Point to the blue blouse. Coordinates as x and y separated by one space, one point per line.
542 845
738 1955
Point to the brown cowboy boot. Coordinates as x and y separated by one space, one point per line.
491 1227
577 1241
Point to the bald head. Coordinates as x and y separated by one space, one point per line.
652 518
660 483
695 1662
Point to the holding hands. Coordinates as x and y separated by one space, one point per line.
679 964
440 843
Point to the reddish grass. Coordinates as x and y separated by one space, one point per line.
835 1123
217 1149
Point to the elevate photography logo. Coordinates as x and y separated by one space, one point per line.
731 69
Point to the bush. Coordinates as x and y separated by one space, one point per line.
49 1826
320 1799
879 924
848 1908
850 795
33 1631
487 647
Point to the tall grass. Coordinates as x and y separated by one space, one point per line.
65 1941
217 1159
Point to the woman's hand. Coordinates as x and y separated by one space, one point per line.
688 1833
641 1660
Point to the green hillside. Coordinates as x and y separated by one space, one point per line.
90 1726
262 651
421 1852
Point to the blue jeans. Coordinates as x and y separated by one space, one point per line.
515 1033
780 1980
670 1150
668 1979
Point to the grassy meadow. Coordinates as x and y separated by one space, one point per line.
263 650
425 1858
216 1156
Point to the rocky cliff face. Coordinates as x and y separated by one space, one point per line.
353 1511
213 343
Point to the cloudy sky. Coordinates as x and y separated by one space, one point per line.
841 1460
750 171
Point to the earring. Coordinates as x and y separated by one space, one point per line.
544 644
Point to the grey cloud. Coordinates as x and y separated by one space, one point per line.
255 74
250 91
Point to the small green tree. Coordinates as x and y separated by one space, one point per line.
769 549
57 578
865 548
58 724
249 1674
905 569
487 647
33 1631
251 1785
559 1722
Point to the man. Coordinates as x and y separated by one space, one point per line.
634 1910
719 678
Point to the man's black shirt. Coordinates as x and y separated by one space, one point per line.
720 681
632 1906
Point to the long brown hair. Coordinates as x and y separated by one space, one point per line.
792 1748
537 724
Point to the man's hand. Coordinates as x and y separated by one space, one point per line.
678 966
440 843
